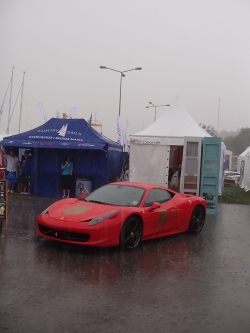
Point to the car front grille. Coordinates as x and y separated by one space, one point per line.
63 235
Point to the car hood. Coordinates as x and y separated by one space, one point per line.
74 209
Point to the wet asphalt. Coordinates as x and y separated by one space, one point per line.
182 283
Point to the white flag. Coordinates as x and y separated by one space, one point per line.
125 138
41 108
58 113
72 113
119 131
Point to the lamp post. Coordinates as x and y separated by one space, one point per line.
122 75
155 106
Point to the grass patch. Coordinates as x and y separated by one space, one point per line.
235 195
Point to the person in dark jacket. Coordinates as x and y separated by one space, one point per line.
26 172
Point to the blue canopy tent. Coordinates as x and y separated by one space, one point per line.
94 156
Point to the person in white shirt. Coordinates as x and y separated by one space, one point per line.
11 166
174 182
125 174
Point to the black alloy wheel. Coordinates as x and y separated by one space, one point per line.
197 220
131 233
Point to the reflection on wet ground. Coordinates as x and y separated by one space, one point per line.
182 283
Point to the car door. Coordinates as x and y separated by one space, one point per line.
162 217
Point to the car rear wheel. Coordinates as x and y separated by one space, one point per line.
131 233
197 220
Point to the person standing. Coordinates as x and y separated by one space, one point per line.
26 172
19 177
11 166
174 182
125 173
67 170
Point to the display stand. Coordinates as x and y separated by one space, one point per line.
4 204
190 173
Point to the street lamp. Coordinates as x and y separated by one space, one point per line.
155 106
122 75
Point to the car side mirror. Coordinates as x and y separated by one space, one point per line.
155 205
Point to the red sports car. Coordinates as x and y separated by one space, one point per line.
122 214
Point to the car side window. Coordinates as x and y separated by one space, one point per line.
158 195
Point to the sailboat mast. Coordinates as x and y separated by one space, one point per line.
7 132
20 115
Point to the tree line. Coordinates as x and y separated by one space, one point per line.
237 142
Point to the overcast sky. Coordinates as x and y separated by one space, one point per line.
198 50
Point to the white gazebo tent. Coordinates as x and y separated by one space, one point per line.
246 177
152 150
241 158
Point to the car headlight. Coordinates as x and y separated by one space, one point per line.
46 210
99 219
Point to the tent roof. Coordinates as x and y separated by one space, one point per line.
61 133
245 152
174 122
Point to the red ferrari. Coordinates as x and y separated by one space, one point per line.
122 214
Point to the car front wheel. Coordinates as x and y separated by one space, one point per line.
197 220
131 233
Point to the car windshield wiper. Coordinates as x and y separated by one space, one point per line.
96 201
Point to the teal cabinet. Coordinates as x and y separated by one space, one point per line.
210 169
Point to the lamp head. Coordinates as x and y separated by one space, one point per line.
103 67
138 68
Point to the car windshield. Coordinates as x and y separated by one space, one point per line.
118 195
